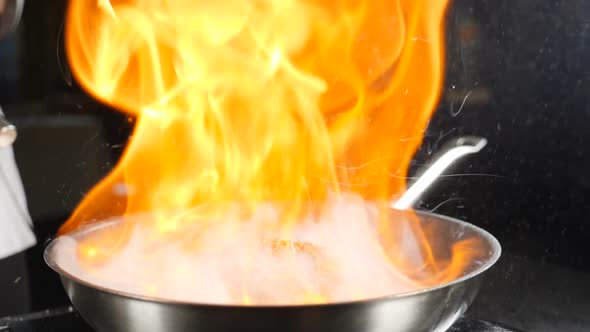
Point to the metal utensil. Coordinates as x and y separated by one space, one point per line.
429 309
10 14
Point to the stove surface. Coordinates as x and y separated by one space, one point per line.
66 319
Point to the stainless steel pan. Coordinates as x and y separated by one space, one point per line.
430 309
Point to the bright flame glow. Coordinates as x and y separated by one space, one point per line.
243 102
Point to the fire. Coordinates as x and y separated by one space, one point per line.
242 102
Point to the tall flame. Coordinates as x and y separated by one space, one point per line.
251 101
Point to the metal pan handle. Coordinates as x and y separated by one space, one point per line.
449 154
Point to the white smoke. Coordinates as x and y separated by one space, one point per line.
341 260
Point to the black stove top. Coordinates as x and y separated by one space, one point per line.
66 319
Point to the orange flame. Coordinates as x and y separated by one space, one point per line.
250 101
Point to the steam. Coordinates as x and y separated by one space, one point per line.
336 259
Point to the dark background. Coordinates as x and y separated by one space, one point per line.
518 74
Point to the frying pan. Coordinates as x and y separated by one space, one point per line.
429 309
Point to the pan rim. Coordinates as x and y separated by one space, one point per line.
494 245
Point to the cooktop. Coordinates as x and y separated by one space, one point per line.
66 319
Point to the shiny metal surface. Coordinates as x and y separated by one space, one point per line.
431 309
450 153
10 14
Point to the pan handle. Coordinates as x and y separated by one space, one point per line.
450 153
